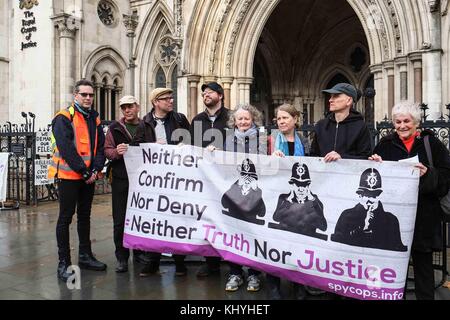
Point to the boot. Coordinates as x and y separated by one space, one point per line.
88 261
299 291
122 266
273 288
62 270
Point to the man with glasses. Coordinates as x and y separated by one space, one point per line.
119 136
208 128
158 126
78 158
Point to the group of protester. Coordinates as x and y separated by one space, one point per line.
80 149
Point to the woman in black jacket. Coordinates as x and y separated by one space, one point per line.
407 142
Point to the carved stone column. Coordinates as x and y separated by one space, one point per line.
131 22
244 89
193 81
416 59
66 32
98 86
378 106
389 67
118 94
401 64
108 106
227 82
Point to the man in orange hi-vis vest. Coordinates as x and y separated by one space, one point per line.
78 159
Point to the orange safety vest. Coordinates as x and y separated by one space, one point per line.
58 167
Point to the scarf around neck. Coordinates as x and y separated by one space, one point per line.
282 144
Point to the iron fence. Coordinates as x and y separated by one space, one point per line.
20 141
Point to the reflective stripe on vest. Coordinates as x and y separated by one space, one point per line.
58 166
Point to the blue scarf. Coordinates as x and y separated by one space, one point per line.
282 144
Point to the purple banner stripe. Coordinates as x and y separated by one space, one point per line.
348 289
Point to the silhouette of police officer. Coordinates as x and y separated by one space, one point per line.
300 211
244 199
367 224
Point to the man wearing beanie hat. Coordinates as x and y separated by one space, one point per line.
214 117
367 224
158 126
117 139
208 128
343 134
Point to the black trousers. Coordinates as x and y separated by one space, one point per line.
423 274
236 269
119 210
74 194
119 202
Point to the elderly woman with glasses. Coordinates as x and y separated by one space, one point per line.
407 142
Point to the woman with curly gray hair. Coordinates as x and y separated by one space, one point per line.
245 120
245 138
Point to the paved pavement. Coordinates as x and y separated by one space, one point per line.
28 260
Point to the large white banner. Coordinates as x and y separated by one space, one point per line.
345 227
4 156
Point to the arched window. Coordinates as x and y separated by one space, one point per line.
160 81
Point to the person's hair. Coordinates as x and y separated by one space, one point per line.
254 113
289 108
405 108
82 82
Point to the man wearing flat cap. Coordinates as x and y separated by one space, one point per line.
208 127
300 211
162 125
119 136
367 224
343 134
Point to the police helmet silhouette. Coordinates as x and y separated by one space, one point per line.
247 168
370 183
300 175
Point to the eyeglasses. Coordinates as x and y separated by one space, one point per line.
166 99
84 94
207 93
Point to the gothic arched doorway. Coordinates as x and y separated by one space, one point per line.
303 44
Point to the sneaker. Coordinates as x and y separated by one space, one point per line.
253 283
233 282
180 270
149 269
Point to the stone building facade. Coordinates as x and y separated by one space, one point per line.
263 52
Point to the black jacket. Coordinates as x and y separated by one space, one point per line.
120 135
383 232
63 133
433 184
204 123
350 138
146 129
304 218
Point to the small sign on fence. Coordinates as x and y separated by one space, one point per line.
18 149
43 142
41 172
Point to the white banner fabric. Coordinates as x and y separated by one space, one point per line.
345 227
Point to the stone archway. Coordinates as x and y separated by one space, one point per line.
226 35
